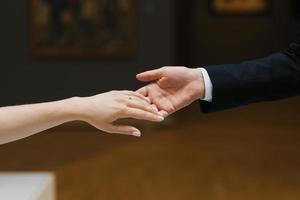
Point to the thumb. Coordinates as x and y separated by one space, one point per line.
150 75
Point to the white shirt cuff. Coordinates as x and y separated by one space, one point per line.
208 85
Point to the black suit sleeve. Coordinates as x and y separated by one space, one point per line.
271 78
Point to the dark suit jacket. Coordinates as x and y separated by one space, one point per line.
271 78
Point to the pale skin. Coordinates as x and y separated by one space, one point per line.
169 89
172 88
101 111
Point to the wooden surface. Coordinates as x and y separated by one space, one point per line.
249 153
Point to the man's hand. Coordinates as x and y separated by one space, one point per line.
172 88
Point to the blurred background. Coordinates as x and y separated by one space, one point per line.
245 153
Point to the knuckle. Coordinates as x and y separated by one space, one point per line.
120 99
122 109
137 94
127 91
148 107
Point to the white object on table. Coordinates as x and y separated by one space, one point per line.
27 186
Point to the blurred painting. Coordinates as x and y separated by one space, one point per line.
239 6
83 28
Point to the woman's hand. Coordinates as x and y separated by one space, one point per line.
103 110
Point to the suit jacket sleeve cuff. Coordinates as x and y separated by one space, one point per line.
208 85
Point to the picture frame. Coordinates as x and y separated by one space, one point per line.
101 29
239 7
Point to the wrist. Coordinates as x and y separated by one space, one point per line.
72 109
198 89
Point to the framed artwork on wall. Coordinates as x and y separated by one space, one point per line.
83 28
239 7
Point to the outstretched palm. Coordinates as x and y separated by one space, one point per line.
172 88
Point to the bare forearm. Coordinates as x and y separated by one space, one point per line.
101 111
17 122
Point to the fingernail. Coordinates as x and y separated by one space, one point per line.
161 114
136 133
154 108
161 118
